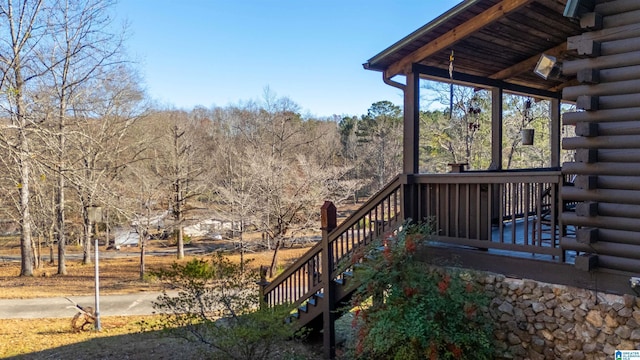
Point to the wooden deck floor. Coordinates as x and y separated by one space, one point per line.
513 233
521 229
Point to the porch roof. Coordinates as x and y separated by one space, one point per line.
495 39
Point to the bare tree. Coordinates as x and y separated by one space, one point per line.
236 191
287 179
100 147
178 161
53 47
22 28
44 213
83 46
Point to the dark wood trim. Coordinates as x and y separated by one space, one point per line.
528 249
556 131
329 298
549 175
600 280
496 128
411 133
471 80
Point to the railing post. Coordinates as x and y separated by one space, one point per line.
328 221
262 284
409 198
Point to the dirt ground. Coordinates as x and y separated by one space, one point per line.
121 337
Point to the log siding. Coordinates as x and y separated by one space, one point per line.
607 145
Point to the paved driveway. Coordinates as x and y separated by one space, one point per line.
129 304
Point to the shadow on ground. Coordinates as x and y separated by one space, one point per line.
146 345
155 345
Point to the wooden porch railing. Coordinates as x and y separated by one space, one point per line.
303 279
515 211
490 211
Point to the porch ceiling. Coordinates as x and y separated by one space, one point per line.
497 39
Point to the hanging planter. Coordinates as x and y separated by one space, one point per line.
527 136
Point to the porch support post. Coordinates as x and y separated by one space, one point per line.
411 135
556 131
410 197
411 143
496 129
328 222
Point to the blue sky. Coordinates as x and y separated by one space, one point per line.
225 52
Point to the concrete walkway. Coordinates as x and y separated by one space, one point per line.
129 304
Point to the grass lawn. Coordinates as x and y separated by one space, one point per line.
121 337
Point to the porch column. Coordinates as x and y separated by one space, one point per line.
556 131
411 138
496 129
410 145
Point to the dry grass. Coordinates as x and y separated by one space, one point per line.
121 337
118 275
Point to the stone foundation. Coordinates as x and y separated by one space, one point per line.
535 320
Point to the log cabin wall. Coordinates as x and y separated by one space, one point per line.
606 190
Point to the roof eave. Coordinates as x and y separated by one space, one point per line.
374 62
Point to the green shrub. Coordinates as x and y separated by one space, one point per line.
173 240
218 304
404 310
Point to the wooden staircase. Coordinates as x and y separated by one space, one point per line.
321 282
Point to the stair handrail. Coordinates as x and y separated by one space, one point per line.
305 272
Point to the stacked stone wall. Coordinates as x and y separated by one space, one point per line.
534 320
